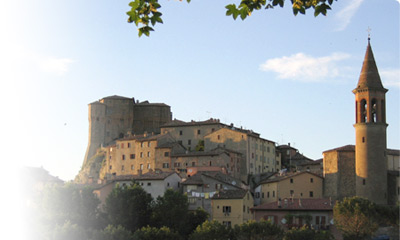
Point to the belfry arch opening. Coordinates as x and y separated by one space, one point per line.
374 109
363 111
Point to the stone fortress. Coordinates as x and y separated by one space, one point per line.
113 117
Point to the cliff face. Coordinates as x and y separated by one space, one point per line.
91 168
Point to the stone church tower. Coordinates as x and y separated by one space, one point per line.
370 127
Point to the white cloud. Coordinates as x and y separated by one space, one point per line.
57 66
390 77
343 17
304 68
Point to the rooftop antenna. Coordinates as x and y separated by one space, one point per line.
369 33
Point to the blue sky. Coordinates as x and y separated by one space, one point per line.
288 78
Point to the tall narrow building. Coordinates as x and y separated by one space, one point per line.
370 128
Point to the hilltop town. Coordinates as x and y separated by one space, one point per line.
235 174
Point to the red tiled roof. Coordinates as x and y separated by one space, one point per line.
230 194
309 204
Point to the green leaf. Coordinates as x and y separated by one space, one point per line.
135 4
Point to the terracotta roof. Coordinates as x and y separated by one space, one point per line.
154 175
316 162
299 156
214 152
282 147
369 76
197 179
179 123
308 204
288 175
346 148
230 194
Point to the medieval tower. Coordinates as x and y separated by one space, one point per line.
370 127
113 117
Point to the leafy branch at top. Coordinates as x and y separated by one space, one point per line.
145 13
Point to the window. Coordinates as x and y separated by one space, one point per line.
291 192
189 142
141 154
262 195
149 144
227 223
122 168
132 167
141 166
166 154
141 144
180 142
198 131
123 157
193 164
129 145
267 194
122 145
218 137
110 167
148 166
257 195
226 209
363 181
218 186
311 194
311 180
132 156
273 193
148 154
180 133
244 208
165 165
149 184
291 180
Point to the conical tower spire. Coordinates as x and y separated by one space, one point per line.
369 76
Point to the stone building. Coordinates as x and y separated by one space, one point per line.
112 117
260 154
291 185
362 170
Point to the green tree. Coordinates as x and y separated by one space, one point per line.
60 204
200 145
112 232
262 230
171 210
129 206
68 231
212 230
152 233
146 13
194 219
307 233
356 217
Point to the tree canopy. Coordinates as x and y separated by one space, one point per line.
146 13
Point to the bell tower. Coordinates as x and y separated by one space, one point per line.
370 127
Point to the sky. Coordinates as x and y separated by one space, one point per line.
289 78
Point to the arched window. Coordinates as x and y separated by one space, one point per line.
374 108
357 112
383 115
363 109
